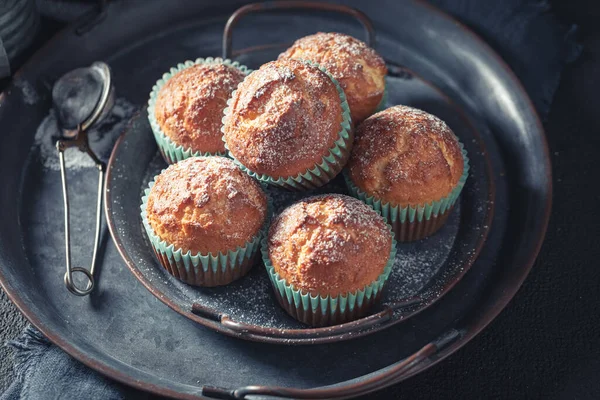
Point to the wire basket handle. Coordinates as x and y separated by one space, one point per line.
394 374
293 4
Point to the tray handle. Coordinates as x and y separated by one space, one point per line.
395 373
332 332
328 331
294 4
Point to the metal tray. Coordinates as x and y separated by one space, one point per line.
124 332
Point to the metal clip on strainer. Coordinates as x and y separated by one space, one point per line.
81 98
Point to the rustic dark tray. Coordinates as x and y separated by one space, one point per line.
128 334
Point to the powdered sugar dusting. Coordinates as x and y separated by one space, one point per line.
194 203
434 124
283 118
251 292
414 267
359 70
189 105
102 138
338 48
30 95
331 210
320 243
374 130
285 73
406 156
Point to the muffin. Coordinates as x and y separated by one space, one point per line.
328 258
205 219
357 67
186 107
410 166
288 125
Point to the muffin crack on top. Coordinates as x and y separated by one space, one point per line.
283 119
206 205
329 245
405 156
357 67
189 106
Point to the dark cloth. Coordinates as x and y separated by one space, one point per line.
43 371
537 47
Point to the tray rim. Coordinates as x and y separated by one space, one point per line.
474 328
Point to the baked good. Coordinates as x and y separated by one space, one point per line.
406 158
357 67
203 207
187 107
283 120
328 247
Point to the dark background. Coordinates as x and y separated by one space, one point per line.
546 343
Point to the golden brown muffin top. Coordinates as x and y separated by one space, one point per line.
283 119
206 204
329 245
357 67
189 107
405 156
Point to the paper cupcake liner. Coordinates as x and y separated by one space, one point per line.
204 269
330 165
411 223
171 151
330 310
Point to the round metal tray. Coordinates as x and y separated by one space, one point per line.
126 333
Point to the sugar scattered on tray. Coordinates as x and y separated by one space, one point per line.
30 95
417 263
102 138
